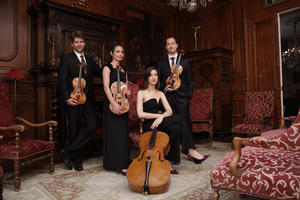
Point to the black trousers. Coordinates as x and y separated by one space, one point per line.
79 137
182 108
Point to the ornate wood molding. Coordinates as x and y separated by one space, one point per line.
15 38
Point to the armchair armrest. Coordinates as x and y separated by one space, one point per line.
283 119
17 128
237 143
49 123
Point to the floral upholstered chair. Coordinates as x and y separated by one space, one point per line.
267 167
259 112
14 147
134 122
201 111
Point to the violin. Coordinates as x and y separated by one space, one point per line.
173 81
118 90
149 173
79 84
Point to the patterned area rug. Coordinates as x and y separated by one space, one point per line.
96 183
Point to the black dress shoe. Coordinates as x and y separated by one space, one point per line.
77 165
174 171
67 162
197 161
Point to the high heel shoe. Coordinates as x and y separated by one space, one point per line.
124 173
197 161
174 171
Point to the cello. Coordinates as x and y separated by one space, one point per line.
149 173
118 90
173 81
79 84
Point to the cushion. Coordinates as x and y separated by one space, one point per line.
271 173
289 140
272 134
201 126
6 111
27 147
250 128
258 105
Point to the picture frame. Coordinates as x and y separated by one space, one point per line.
268 3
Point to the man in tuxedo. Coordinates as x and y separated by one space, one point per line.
178 99
68 70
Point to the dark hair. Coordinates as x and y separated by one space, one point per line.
147 75
76 34
114 45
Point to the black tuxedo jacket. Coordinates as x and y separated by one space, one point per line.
68 70
185 91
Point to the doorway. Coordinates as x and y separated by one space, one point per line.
289 32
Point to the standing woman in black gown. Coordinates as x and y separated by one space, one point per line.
115 124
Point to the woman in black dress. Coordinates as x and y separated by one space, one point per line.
149 102
115 124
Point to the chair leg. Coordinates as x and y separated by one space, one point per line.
1 189
17 175
210 138
52 162
216 195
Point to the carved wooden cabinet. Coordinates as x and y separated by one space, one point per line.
51 28
212 69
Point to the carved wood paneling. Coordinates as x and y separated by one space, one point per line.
8 32
212 69
59 22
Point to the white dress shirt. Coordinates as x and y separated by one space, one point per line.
170 60
79 56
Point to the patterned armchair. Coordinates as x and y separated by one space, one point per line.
201 111
258 117
134 123
267 167
14 147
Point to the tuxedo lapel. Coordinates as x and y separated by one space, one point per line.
168 67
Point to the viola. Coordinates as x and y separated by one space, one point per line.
149 173
173 81
79 84
118 90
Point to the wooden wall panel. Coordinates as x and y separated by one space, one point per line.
13 36
8 19
219 28
95 6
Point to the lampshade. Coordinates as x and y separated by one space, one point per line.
15 74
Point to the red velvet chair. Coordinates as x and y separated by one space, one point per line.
201 111
267 167
134 122
259 112
14 147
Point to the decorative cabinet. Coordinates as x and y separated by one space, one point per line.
212 69
51 27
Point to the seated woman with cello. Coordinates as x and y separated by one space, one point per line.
150 100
